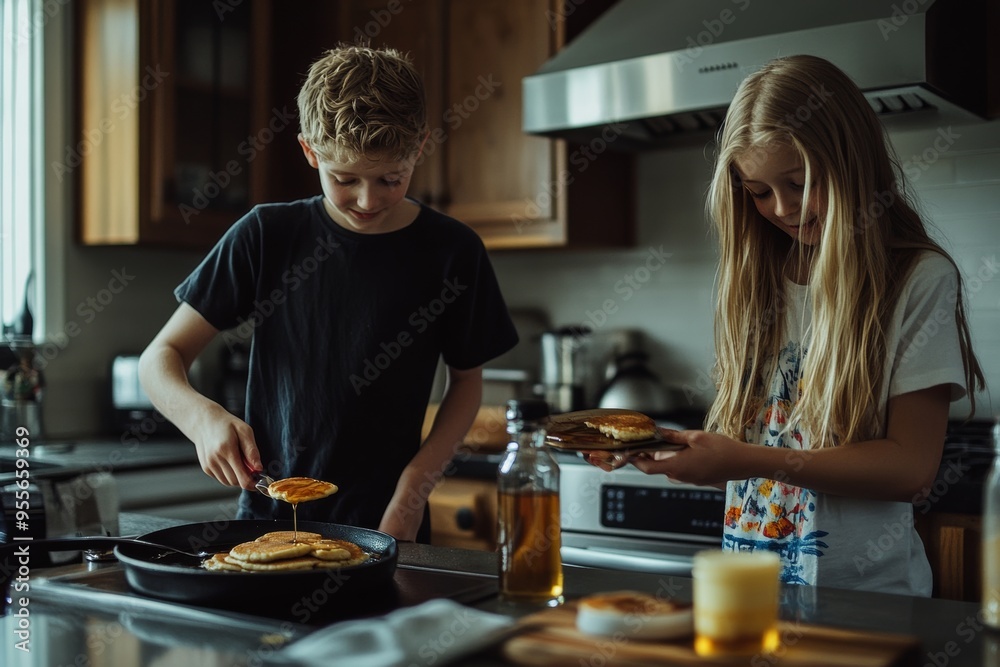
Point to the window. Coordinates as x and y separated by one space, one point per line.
21 161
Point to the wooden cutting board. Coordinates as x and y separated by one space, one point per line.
550 638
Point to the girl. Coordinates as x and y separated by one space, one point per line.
841 339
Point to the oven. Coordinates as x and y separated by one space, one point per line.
628 520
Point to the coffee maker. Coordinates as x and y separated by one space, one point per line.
563 368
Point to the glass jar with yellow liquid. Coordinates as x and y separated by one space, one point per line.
528 530
991 539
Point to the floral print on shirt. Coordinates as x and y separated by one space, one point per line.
767 514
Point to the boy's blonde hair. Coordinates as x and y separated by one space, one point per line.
359 102
870 241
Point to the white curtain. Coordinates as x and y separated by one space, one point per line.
22 25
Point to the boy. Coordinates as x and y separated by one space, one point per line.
353 296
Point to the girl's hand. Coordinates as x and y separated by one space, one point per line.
709 459
606 461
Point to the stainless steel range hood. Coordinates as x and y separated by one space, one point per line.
649 71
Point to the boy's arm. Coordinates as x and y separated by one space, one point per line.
454 418
221 439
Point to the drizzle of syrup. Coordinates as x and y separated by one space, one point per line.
295 490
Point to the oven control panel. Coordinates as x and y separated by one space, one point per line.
665 510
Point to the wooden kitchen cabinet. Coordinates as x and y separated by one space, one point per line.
464 514
174 114
515 190
187 115
953 543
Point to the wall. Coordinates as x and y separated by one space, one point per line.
663 286
955 177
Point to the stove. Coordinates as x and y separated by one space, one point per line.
965 464
628 520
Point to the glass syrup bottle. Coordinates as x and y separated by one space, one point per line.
528 535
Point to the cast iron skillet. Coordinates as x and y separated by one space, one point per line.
297 594
259 591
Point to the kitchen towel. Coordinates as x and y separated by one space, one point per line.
433 633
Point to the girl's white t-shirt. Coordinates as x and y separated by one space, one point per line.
835 541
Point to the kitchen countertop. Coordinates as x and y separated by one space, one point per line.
116 632
66 458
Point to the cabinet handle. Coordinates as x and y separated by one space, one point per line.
465 518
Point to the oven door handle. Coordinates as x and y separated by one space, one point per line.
616 560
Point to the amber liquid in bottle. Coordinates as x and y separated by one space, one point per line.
528 540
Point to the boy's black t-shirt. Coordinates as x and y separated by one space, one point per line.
347 332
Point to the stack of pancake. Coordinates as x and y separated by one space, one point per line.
284 550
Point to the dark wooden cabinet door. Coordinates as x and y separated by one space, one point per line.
190 156
415 28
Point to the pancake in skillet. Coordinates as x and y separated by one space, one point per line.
288 535
266 552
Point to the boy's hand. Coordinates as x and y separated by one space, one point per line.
224 442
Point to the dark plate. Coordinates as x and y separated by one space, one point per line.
567 432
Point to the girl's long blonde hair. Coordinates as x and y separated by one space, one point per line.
870 241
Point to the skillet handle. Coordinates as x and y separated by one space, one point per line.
15 555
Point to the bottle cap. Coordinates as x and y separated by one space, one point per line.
527 409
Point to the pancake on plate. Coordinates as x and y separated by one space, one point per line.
635 615
624 426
